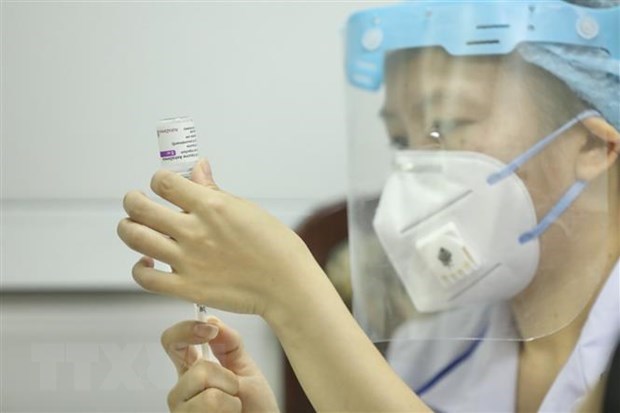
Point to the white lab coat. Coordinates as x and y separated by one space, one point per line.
481 376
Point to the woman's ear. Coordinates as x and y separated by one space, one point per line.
601 151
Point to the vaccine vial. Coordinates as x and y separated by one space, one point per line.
178 146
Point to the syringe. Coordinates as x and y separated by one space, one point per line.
201 315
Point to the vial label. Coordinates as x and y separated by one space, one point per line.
178 145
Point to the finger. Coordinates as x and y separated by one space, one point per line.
203 375
149 242
228 348
154 280
178 190
212 401
147 212
203 175
178 341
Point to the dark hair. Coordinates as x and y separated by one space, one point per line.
547 90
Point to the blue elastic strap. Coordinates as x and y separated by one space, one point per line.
567 199
569 196
516 163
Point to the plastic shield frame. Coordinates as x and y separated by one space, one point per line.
470 47
471 28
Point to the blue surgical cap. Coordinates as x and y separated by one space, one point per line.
590 73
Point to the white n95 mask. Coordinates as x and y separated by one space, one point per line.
452 238
460 227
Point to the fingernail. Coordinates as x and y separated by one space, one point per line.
205 167
206 331
147 261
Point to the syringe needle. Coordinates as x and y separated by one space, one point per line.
201 312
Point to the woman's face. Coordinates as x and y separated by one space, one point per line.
434 101
480 104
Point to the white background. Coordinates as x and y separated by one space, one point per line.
83 85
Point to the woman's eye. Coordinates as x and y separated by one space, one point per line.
442 128
399 142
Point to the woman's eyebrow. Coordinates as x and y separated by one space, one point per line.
430 99
460 99
466 99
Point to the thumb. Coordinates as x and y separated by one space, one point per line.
228 348
202 174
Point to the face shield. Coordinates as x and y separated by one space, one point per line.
481 198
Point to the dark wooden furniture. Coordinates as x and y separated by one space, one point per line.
322 231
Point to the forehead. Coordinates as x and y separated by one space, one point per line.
419 73
491 93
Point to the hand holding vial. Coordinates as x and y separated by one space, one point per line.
224 252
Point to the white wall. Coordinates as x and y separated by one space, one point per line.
100 352
83 85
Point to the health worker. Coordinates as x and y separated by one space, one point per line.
484 223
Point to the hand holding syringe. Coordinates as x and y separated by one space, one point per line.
178 150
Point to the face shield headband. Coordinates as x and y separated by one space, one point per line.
471 28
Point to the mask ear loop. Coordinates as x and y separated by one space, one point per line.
569 196
567 199
538 147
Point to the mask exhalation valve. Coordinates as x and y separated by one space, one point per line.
447 255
